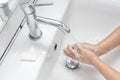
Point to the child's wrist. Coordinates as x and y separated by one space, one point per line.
99 50
94 59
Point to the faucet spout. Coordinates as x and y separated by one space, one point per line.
60 25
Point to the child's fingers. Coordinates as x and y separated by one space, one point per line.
68 53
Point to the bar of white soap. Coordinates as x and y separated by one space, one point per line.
29 55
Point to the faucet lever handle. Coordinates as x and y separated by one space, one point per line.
44 4
29 8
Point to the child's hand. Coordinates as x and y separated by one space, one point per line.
82 53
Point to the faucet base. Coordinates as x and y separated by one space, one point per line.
39 34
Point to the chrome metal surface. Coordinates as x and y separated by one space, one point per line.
60 25
72 64
30 15
44 4
32 18
7 8
5 11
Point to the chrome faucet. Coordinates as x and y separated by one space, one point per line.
35 33
30 15
60 25
32 20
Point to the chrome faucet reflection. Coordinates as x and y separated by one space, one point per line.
4 10
32 20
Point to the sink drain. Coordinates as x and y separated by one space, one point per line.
72 64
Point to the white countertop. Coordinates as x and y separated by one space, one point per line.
12 67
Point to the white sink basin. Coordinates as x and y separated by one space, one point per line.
84 72
45 48
90 21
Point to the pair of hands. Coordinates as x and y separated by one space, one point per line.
86 52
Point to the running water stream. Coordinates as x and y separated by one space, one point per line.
71 63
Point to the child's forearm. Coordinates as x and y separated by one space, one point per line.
110 42
108 72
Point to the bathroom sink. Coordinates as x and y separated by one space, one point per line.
90 21
41 52
29 59
50 63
